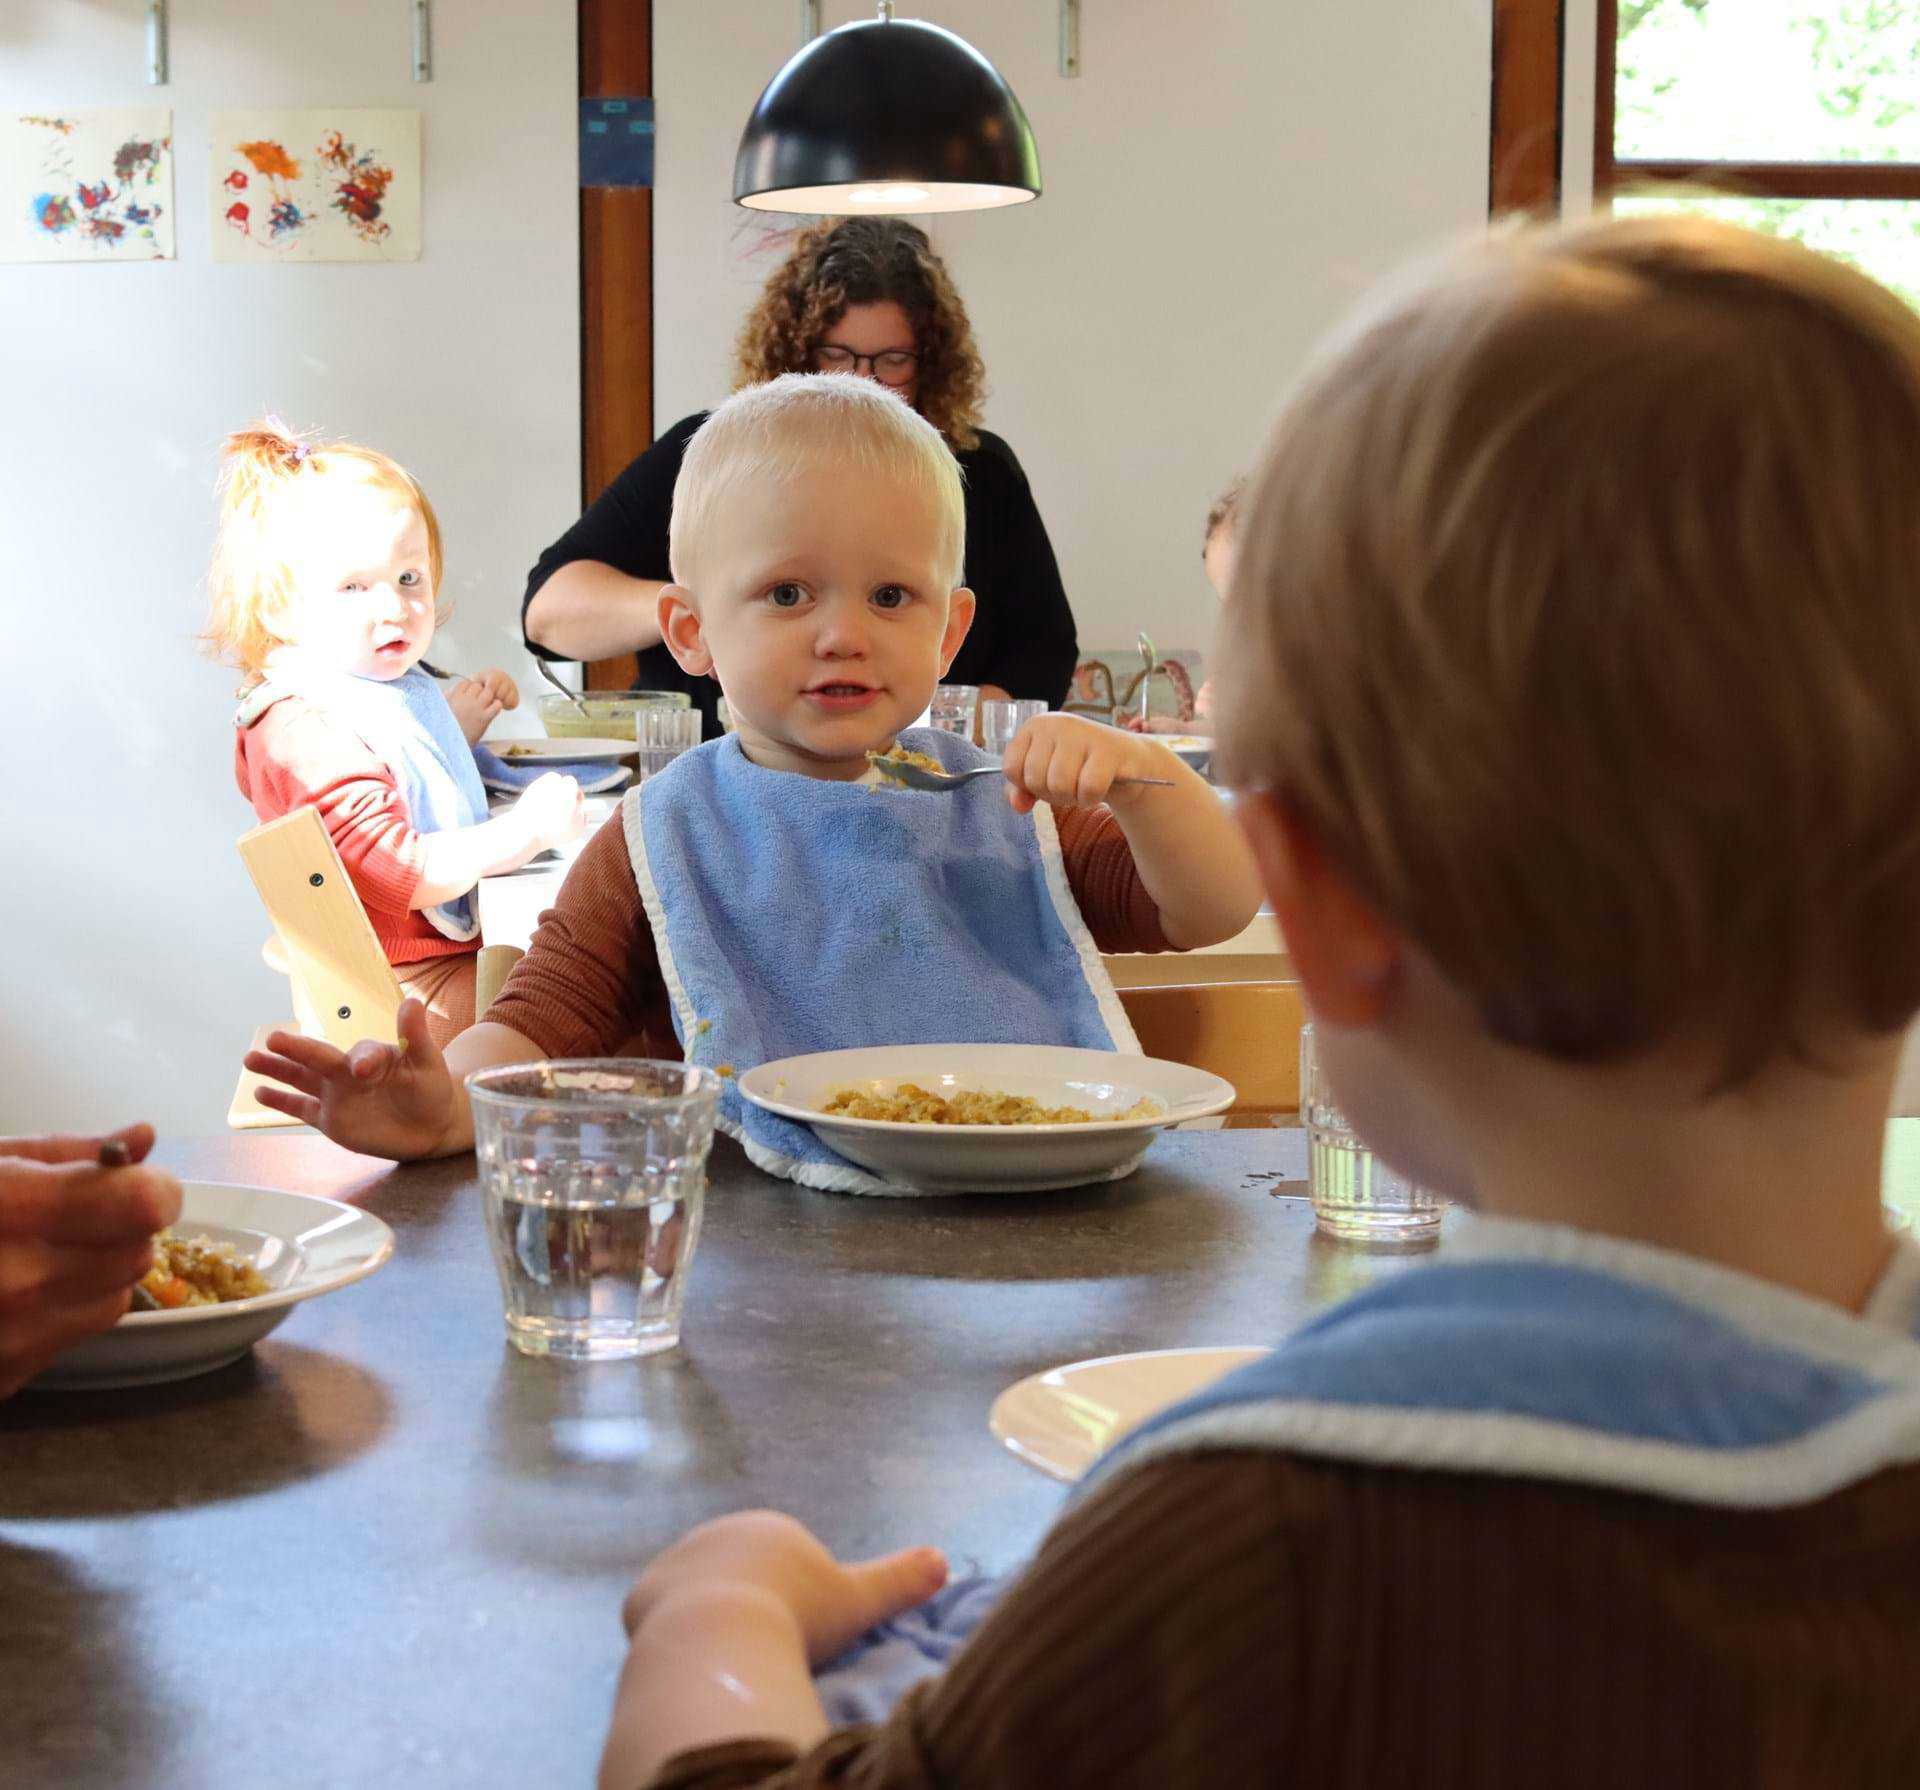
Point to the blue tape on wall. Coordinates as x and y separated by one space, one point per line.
616 142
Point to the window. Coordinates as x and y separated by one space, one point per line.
1802 116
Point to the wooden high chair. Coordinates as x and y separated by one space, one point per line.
1248 1032
343 987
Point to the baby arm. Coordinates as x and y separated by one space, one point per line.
726 1626
1191 857
549 812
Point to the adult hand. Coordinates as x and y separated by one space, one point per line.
764 1552
380 1099
74 1237
1074 763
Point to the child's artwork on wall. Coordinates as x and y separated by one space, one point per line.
316 186
87 184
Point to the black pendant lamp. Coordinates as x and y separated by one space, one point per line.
886 115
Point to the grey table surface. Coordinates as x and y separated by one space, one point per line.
386 1549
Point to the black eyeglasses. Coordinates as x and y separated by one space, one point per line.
892 366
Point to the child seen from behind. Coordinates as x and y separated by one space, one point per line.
324 579
1577 643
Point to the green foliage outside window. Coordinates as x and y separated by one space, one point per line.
1780 80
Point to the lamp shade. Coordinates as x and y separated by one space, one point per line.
886 115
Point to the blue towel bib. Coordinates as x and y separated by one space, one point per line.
794 915
1537 1352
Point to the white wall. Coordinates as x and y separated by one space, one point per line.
1221 180
129 934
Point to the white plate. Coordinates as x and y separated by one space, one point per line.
530 751
304 1245
990 1158
1185 745
1061 1421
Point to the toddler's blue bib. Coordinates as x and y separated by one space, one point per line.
795 915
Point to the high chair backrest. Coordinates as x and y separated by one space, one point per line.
1248 1032
343 987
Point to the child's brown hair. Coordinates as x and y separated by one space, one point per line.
250 580
1577 611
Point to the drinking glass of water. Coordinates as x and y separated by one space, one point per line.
953 708
662 735
592 1173
1356 1196
1000 721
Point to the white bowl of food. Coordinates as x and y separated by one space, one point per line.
986 1118
258 1251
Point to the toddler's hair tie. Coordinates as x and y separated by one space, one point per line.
300 453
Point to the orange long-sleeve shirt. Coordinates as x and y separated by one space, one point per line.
293 755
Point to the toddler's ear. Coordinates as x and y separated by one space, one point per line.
681 630
1345 954
959 620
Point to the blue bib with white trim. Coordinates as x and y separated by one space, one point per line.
1542 1353
795 915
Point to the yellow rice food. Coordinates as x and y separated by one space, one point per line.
911 1104
199 1271
898 755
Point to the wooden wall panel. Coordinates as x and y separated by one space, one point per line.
616 281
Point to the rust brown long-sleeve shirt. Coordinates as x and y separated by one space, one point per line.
1226 1619
591 984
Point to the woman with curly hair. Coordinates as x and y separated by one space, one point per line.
861 295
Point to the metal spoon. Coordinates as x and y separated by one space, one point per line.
1150 654
944 782
540 665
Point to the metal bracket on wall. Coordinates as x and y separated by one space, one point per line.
809 20
156 43
1069 37
422 40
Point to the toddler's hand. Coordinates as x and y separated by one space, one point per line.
1073 763
500 687
381 1099
761 1550
474 704
553 810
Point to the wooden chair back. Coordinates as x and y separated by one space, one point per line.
1248 1032
342 985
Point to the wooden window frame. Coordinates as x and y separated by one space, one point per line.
1737 179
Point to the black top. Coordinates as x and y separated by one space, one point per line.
1022 636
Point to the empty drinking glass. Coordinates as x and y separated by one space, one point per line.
953 708
592 1173
1356 1196
662 735
1000 721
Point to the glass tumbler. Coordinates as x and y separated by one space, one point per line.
592 1173
1000 721
1356 1196
953 708
662 735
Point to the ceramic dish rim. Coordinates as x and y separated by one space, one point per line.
323 1281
